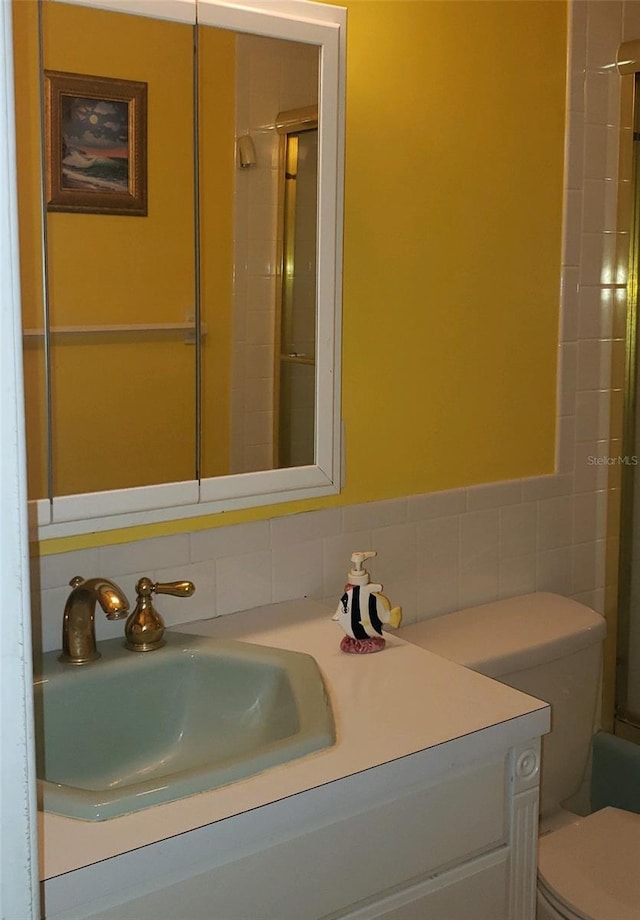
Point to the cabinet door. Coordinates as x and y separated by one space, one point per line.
474 891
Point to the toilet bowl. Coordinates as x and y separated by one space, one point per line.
588 870
551 648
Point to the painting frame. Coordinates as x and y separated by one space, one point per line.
104 169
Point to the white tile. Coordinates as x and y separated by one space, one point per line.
590 516
298 570
598 259
567 376
478 585
236 540
594 365
630 20
602 97
572 230
258 395
396 566
258 361
478 557
604 33
595 318
516 576
494 495
311 525
565 444
592 466
200 606
260 328
261 257
517 530
336 553
261 292
243 582
373 515
156 553
539 487
553 571
57 570
587 567
616 380
625 162
437 567
593 599
436 504
599 210
575 149
592 414
555 522
258 427
577 39
570 304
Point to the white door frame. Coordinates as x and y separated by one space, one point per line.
19 876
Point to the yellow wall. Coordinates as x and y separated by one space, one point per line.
216 55
455 123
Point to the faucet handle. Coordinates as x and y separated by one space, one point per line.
144 630
176 588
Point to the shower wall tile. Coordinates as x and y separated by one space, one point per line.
567 376
592 413
565 443
604 32
570 305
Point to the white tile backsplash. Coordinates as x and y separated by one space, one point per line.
459 547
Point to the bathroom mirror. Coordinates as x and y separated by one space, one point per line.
171 374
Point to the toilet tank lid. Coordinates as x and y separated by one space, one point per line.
510 635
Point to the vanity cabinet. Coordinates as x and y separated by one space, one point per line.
425 807
399 842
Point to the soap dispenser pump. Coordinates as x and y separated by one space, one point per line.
363 610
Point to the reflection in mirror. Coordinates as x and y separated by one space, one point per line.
191 344
296 318
120 289
122 292
264 76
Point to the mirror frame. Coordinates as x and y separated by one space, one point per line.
295 20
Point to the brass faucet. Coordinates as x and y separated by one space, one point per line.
78 624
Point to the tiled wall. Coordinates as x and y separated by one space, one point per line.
467 546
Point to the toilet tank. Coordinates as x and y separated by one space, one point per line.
545 645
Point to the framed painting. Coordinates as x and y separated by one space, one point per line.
95 144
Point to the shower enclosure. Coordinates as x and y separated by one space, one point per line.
294 403
627 704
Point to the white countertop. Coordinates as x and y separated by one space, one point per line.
386 706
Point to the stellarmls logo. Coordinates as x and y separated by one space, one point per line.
612 461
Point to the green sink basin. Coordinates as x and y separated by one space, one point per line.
137 729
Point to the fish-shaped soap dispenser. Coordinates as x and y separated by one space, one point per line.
363 610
